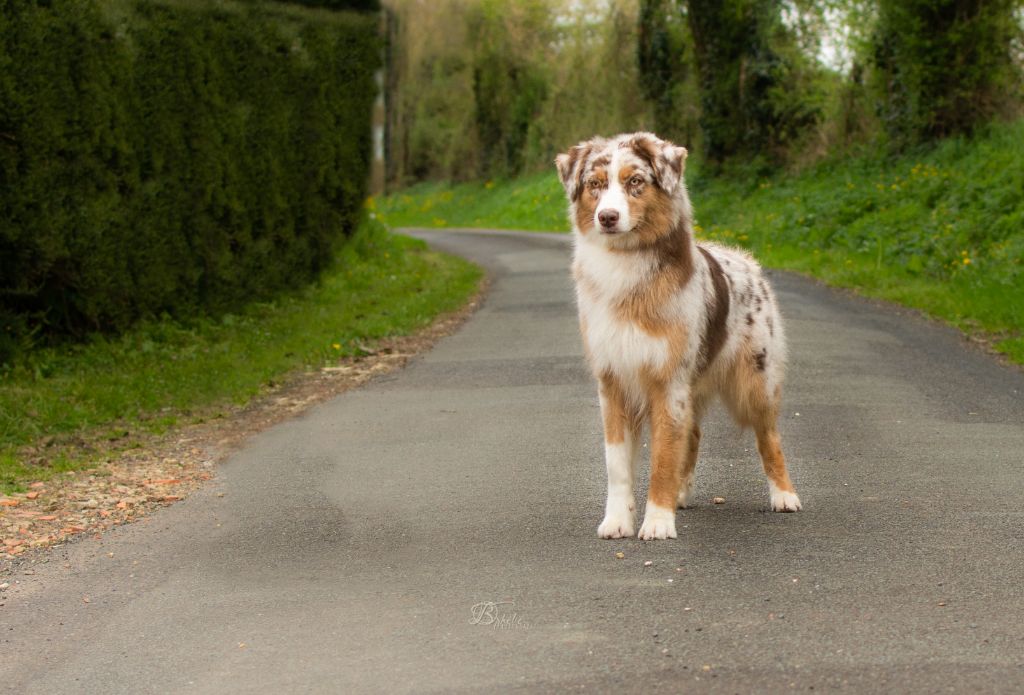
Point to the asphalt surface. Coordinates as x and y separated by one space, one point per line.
435 531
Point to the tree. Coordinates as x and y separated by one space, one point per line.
756 87
942 67
661 62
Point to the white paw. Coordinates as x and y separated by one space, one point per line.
783 501
659 524
616 525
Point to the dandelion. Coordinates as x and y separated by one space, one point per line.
967 261
336 346
489 185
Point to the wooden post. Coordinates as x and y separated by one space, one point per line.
377 165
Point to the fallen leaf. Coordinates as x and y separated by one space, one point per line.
170 498
166 481
32 495
85 599
48 517
8 502
717 500
620 555
122 505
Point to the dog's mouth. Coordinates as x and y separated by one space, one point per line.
616 232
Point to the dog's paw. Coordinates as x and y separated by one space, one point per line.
659 524
783 501
616 525
683 498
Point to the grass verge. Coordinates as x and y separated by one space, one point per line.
533 203
165 372
940 230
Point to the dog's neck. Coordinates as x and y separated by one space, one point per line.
612 269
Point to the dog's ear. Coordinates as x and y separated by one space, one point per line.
666 160
570 169
670 165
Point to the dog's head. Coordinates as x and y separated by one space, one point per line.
628 189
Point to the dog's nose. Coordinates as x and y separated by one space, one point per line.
608 218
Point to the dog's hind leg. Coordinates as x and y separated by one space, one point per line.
689 463
753 405
781 491
690 454
622 425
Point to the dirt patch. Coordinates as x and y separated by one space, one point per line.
129 484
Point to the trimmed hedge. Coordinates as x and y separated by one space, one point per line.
173 157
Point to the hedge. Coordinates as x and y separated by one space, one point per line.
172 157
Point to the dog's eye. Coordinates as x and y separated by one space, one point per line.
593 184
636 182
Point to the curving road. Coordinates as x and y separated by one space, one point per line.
435 531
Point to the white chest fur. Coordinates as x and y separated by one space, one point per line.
614 344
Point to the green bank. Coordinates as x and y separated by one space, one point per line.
938 229
168 372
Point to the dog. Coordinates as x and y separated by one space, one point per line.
667 325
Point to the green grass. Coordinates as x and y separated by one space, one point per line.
941 230
534 203
164 372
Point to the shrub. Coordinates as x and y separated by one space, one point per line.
173 157
942 67
758 90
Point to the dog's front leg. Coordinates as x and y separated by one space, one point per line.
621 441
671 422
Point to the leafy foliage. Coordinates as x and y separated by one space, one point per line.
509 84
358 5
494 88
664 64
943 66
757 89
172 157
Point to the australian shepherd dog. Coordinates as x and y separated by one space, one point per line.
667 324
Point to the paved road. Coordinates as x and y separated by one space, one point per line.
353 543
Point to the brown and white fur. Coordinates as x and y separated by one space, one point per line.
667 324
